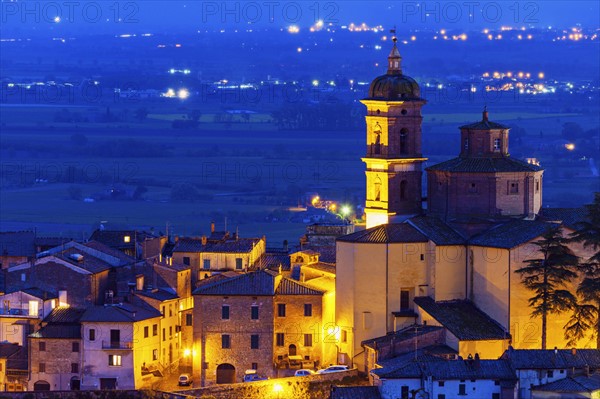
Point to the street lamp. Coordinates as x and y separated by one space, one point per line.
277 388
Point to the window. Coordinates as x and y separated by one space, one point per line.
225 341
307 309
170 310
42 367
254 366
92 334
404 392
206 264
74 368
154 330
75 347
34 308
495 396
344 336
170 331
186 260
164 334
307 339
497 382
254 312
225 312
441 383
473 188
466 144
127 239
537 186
513 187
146 331
281 309
404 299
403 141
462 389
550 373
114 360
238 263
403 185
162 310
422 256
441 396
42 346
155 354
254 341
497 144
279 339
188 319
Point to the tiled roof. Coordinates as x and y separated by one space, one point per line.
512 234
58 331
273 260
119 313
553 359
40 293
17 243
484 165
158 294
116 238
400 335
322 267
580 383
567 216
291 287
64 314
355 392
98 246
8 349
259 283
436 230
89 262
484 125
386 233
463 319
240 245
426 365
326 252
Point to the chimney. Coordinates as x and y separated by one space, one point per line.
176 238
139 283
556 350
485 114
280 268
574 351
212 227
204 240
62 298
285 245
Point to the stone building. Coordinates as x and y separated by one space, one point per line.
483 215
55 352
258 320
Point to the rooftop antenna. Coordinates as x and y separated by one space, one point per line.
225 223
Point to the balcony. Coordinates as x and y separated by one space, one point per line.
117 345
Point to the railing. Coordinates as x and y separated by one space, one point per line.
117 345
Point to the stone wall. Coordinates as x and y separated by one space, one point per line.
310 387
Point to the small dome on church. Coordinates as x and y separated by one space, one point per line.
394 85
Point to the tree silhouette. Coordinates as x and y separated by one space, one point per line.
547 275
586 316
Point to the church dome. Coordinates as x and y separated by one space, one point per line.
394 85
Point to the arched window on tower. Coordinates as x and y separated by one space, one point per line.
377 139
404 141
403 185
377 189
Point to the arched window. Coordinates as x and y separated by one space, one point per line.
377 138
403 185
377 187
404 141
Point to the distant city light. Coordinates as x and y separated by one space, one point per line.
293 29
182 94
315 83
299 49
570 146
57 19
541 75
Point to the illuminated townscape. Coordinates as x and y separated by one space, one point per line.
253 205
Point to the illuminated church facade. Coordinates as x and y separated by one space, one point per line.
455 252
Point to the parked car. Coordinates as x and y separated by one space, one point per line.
252 375
185 380
333 369
303 373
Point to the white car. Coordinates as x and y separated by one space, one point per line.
185 380
333 369
303 373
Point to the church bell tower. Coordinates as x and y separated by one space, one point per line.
393 157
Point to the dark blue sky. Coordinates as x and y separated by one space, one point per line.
181 16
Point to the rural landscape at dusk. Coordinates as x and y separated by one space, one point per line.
337 200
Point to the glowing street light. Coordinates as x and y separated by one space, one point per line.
345 210
182 94
277 388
